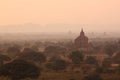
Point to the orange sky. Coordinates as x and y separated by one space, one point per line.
45 12
59 11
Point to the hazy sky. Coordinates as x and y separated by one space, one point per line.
93 13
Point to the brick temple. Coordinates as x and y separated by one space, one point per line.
81 42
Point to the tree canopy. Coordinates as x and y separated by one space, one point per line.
93 76
33 56
76 57
56 65
20 69
4 58
91 60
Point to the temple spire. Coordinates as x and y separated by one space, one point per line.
82 32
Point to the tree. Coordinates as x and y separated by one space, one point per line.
76 57
20 69
13 51
28 50
54 58
3 58
99 69
91 60
57 65
55 50
118 69
110 49
32 56
35 47
107 62
94 76
116 58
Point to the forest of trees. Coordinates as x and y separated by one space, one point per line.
25 61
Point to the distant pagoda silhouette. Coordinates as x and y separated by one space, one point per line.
81 42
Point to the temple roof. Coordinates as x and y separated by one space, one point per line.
82 35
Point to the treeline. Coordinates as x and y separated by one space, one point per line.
20 62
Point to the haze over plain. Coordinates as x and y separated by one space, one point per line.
59 15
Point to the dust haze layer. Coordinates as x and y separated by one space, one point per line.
59 15
60 28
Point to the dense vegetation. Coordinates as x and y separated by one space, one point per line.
24 61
